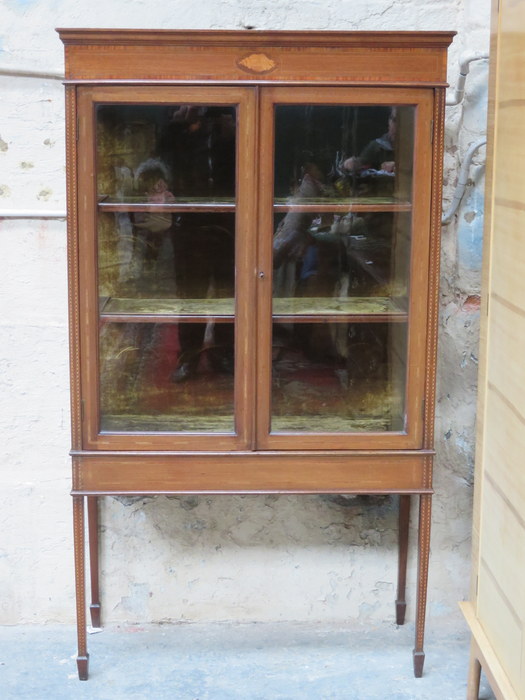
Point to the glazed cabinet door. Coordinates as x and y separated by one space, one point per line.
344 229
166 266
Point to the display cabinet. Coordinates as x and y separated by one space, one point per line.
253 226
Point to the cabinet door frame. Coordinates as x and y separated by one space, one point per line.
420 266
87 315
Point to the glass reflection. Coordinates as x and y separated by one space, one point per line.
166 246
343 151
194 145
341 256
137 387
375 161
338 377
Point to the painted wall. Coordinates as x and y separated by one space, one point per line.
210 558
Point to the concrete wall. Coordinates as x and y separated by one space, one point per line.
210 558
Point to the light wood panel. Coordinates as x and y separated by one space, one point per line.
500 623
506 525
483 652
508 259
506 371
497 617
505 448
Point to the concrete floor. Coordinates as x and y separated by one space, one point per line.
281 661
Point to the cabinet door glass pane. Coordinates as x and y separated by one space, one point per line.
338 377
139 389
341 261
166 262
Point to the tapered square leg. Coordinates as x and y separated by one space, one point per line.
425 510
419 662
80 585
404 518
83 667
93 526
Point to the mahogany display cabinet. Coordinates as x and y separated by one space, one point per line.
253 228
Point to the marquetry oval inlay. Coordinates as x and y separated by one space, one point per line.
257 63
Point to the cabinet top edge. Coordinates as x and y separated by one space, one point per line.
392 39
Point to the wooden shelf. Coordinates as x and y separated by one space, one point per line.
285 310
227 204
126 310
344 205
223 424
186 204
340 309
176 423
330 424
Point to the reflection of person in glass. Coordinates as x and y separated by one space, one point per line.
151 182
292 235
309 258
204 268
309 249
199 145
199 148
377 155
